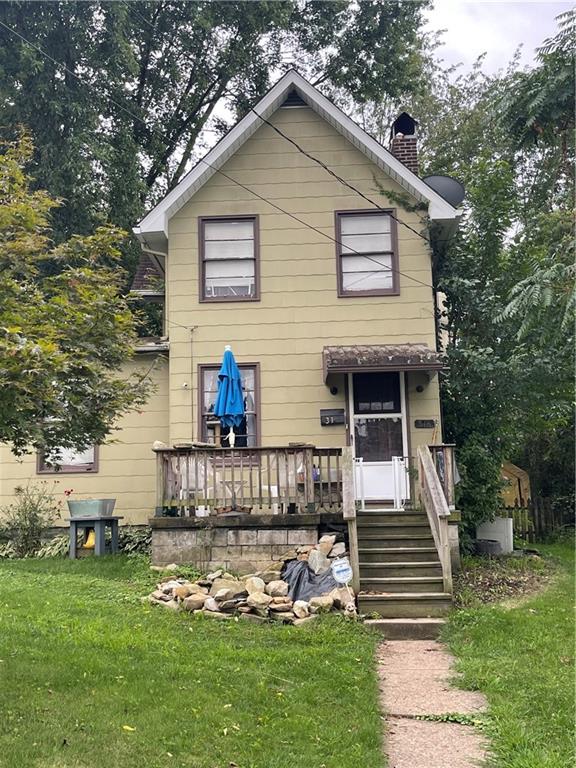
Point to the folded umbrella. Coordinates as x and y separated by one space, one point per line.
229 405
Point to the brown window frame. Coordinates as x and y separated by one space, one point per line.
67 469
202 367
202 261
395 289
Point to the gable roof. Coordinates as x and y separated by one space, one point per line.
152 231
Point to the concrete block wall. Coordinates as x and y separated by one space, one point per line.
242 544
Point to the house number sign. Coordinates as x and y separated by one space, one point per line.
331 416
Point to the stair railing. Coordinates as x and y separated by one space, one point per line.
349 495
399 477
434 502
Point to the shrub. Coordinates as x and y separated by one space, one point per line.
58 546
135 541
26 520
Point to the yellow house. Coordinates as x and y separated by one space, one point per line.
291 242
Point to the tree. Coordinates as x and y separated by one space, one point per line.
155 76
64 336
508 276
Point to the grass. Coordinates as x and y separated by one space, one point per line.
91 677
521 655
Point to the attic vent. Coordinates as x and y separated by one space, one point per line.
294 100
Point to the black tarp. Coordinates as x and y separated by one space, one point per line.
304 583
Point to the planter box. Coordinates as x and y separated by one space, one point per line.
91 507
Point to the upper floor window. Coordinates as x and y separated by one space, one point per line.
68 460
229 259
367 254
247 432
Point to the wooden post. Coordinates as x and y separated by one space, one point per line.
160 475
349 513
309 491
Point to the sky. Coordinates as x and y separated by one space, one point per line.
495 27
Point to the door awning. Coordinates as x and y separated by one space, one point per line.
380 357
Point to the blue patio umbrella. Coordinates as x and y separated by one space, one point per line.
229 405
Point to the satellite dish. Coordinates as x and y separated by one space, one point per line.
448 188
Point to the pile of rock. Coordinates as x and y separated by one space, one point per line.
257 597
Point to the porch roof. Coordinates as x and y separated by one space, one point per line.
380 357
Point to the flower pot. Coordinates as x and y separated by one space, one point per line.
91 507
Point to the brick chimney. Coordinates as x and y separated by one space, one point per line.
404 141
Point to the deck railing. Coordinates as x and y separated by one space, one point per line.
202 481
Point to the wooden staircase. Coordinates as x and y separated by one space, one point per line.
400 573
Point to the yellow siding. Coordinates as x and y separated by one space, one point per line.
299 312
126 467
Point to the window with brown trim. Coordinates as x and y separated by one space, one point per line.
247 434
69 460
229 259
367 253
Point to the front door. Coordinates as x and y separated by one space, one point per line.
378 431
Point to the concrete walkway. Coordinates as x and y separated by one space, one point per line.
415 680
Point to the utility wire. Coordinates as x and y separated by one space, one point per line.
222 173
337 177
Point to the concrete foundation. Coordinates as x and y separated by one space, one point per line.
239 543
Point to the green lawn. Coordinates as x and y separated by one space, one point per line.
90 677
522 657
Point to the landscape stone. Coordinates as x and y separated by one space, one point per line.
197 589
326 543
287 617
171 567
304 550
235 588
215 575
318 561
194 602
305 620
338 550
254 584
281 607
269 575
210 604
182 591
229 606
277 588
223 595
282 599
215 615
291 554
258 600
323 603
168 586
341 597
172 604
301 609
253 618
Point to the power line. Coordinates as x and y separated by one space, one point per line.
337 177
225 175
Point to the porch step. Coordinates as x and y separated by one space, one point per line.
369 528
379 570
407 629
369 516
403 584
406 605
389 555
394 541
